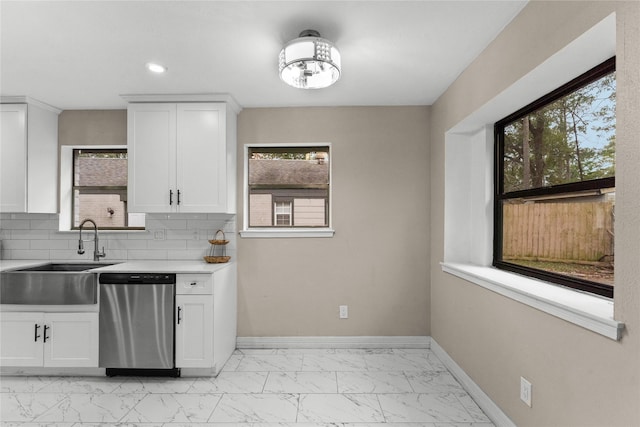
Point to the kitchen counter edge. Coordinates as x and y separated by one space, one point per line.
139 266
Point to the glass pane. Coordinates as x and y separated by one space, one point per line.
569 140
283 213
567 234
100 168
309 212
107 209
298 174
260 212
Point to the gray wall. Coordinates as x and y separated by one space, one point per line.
376 262
579 378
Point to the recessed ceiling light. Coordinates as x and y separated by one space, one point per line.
156 68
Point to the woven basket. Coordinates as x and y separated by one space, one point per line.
213 258
217 259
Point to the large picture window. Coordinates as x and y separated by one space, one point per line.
288 186
555 185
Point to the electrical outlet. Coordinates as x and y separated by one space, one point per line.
158 235
525 391
344 311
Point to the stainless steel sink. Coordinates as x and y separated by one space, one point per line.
61 266
51 284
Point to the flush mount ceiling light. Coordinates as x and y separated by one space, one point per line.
309 62
156 68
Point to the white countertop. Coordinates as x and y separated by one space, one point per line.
128 266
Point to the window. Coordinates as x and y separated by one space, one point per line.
288 187
555 185
283 214
99 189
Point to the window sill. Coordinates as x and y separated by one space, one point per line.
289 233
588 311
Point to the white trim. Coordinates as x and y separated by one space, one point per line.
586 310
185 97
335 342
28 100
493 411
287 233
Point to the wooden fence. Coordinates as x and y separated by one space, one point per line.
568 232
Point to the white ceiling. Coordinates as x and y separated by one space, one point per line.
85 54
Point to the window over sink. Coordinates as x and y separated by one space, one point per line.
94 185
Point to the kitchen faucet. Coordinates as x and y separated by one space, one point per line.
96 254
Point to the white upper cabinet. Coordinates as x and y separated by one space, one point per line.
181 157
28 156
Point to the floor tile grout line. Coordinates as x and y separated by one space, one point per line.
120 420
214 408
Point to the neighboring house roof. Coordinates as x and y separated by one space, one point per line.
288 172
103 171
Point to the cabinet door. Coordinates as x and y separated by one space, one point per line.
151 138
21 339
72 339
201 157
13 158
194 331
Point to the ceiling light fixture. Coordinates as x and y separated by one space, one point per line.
156 68
309 62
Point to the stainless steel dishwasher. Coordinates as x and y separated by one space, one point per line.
137 324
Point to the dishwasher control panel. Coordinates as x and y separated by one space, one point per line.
137 278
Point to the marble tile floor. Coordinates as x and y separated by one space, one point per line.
257 388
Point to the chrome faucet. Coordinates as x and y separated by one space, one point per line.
96 254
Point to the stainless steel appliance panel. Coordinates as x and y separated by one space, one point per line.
136 325
48 288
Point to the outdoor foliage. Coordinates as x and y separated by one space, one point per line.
569 140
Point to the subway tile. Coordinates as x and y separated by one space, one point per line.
44 224
17 224
15 244
166 244
29 254
148 255
184 255
48 244
123 244
29 234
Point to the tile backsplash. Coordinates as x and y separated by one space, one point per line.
166 237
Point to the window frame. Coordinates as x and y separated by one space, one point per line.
280 231
288 204
66 185
500 196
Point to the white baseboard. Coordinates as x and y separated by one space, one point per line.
495 414
334 342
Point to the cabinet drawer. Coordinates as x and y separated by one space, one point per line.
194 284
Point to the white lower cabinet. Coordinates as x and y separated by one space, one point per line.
49 339
206 319
194 331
